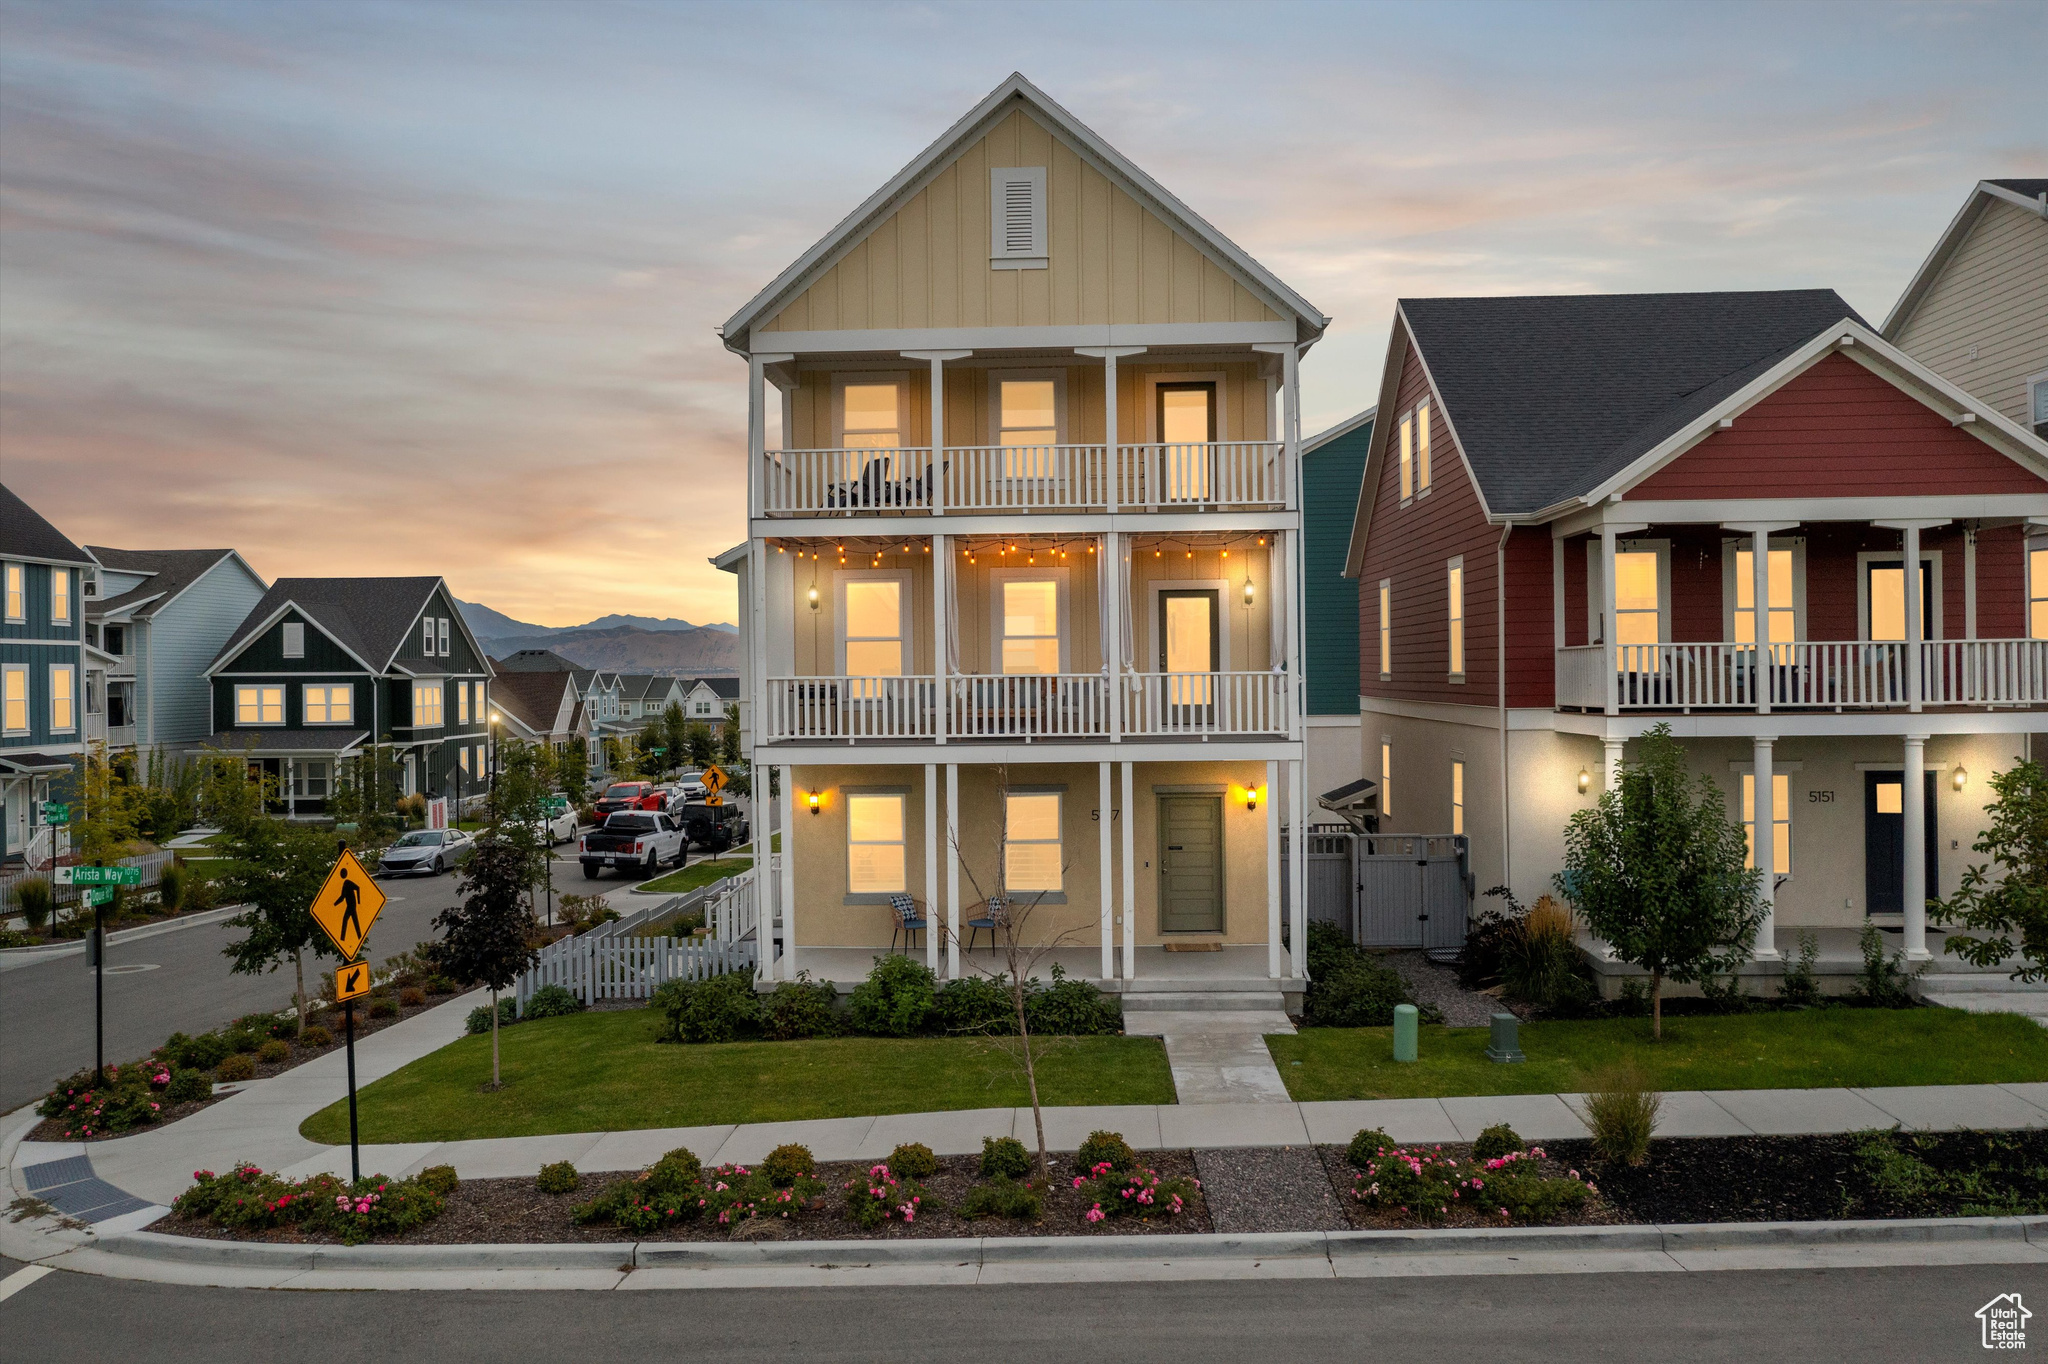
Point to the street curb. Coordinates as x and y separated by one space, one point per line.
26 955
1041 1250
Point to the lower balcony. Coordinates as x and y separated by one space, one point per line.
1037 706
1809 675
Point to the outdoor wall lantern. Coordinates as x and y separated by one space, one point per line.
1585 781
815 803
814 598
1251 797
1249 591
1961 777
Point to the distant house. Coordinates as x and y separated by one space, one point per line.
705 698
1332 466
156 618
645 697
42 670
537 707
1976 311
322 667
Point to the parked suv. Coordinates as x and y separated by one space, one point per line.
716 827
633 840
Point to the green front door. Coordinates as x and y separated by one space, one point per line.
1191 864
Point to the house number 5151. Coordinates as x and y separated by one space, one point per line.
1820 797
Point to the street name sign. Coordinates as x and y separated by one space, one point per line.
99 876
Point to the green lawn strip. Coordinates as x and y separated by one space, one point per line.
596 1072
1811 1049
697 874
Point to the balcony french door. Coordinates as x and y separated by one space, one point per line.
1189 653
1186 422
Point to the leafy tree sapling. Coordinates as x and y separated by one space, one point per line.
491 935
276 869
2009 908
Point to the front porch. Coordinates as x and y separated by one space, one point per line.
1180 980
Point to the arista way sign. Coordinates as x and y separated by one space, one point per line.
99 876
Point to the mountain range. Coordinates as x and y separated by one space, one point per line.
618 643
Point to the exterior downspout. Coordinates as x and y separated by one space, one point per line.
1500 658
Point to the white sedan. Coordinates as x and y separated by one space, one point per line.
558 826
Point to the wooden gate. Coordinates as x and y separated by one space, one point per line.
1389 890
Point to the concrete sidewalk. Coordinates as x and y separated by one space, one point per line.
260 1124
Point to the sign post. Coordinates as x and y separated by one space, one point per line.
98 883
348 903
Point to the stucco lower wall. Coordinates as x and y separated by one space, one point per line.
825 917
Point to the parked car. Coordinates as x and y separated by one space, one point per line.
633 839
691 784
557 823
628 795
426 851
716 827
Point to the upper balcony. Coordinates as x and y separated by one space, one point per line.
1195 432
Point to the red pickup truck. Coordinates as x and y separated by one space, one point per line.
629 795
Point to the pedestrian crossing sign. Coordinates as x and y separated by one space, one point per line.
348 903
351 981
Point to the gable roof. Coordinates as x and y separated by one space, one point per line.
534 699
1016 92
726 688
2023 193
25 534
641 686
534 661
170 572
1342 428
369 617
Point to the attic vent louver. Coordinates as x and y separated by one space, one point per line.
1017 218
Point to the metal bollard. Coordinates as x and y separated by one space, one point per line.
1505 1042
1407 1022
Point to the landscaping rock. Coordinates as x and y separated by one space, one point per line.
1265 1188
1438 985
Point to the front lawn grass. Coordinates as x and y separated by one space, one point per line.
698 874
594 1072
1807 1049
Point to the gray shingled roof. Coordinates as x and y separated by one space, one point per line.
24 532
533 661
535 697
727 687
2033 189
287 740
1550 396
368 616
171 572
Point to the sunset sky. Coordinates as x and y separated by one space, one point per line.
430 288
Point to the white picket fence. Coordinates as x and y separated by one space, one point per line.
594 968
730 910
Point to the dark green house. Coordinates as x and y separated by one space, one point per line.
1332 466
324 667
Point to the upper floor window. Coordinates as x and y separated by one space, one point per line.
14 698
259 704
294 639
2037 594
63 698
1186 421
1638 595
446 651
1030 613
1421 448
330 704
872 625
1784 618
1386 628
871 411
1884 593
2037 404
1016 239
60 596
1407 457
1386 794
1454 588
428 636
17 593
427 704
1027 425
462 703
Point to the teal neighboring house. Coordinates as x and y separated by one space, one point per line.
1332 467
42 675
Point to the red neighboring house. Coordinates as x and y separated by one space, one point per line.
1557 545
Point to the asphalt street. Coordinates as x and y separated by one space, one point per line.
1874 1316
180 982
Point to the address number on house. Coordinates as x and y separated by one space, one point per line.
1820 797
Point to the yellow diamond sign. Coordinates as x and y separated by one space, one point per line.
348 903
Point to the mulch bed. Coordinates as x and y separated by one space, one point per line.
511 1211
1270 1188
54 1129
1362 1217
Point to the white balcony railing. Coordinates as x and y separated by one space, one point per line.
1243 473
1029 706
1026 477
1205 704
826 482
1808 675
1985 672
851 708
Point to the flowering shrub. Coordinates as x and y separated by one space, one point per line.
677 1188
1105 1146
1426 1184
879 1197
134 1095
1136 1192
248 1199
1003 1198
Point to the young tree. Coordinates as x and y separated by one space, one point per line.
107 811
699 744
517 811
2016 903
490 936
276 869
1660 871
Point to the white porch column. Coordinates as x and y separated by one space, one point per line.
931 865
937 360
788 802
1286 544
952 871
1612 672
1112 465
1129 907
1914 682
1105 850
1970 583
1112 577
942 644
1297 868
1914 807
1760 560
1611 749
1274 962
1290 456
757 436
1764 836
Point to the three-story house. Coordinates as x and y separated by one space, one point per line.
1021 585
42 675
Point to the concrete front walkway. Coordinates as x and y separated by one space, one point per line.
1218 1056
260 1125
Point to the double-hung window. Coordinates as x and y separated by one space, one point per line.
462 703
2037 404
428 635
1030 641
259 703
1386 629
1784 624
294 639
60 596
1031 842
1407 457
1027 426
63 698
309 779
875 831
445 649
2037 594
1421 448
872 612
14 699
17 593
329 703
462 759
1457 795
1638 614
1781 820
427 704
1454 588
1386 801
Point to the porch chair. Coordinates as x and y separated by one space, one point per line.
995 912
909 923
